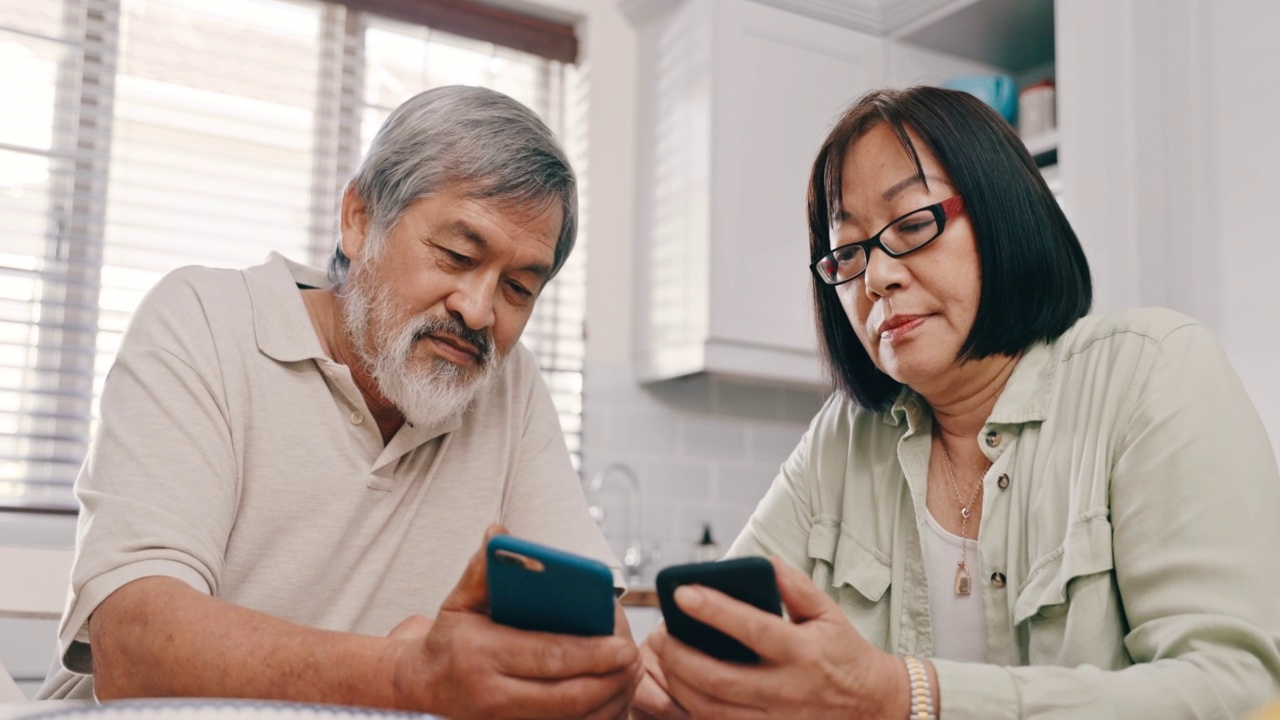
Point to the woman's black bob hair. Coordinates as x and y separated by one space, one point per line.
1035 279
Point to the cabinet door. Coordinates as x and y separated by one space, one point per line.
780 81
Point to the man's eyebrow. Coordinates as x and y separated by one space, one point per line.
460 229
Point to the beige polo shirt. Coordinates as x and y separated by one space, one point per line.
234 456
1130 539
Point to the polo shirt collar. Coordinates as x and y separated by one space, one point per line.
281 322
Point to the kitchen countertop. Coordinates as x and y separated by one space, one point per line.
640 597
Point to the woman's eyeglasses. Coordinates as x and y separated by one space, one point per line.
901 237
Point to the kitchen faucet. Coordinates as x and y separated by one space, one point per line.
635 558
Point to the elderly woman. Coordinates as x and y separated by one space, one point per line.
1007 509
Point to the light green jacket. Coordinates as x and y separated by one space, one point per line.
1132 505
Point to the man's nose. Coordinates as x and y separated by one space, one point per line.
472 300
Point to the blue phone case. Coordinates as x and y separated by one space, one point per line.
535 587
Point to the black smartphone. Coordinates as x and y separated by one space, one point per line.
535 587
749 579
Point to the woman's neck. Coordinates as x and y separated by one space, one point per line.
962 408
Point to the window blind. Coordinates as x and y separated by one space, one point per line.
144 135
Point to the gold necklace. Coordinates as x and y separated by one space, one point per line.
966 510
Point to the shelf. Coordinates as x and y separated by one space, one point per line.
1043 148
1053 178
1041 144
1014 35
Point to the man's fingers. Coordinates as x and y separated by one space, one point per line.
618 705
548 656
802 599
572 697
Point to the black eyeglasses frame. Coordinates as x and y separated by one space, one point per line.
942 211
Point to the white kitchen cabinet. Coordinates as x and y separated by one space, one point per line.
735 98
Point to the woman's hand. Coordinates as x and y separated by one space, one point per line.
815 665
652 700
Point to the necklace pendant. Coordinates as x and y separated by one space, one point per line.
962 579
965 513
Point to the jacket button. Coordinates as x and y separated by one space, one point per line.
356 418
997 579
993 439
1003 481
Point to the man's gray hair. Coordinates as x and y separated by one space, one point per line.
472 140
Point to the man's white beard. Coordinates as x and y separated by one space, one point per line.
436 388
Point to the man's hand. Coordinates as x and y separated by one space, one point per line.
815 665
468 666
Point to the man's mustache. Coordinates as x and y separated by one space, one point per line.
481 340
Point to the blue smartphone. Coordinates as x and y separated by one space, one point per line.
535 587
749 579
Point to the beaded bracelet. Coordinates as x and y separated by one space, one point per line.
921 693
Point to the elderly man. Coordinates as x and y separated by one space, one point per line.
290 473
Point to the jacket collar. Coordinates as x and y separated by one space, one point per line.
1025 397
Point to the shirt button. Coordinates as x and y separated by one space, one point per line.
1003 481
997 579
356 418
993 439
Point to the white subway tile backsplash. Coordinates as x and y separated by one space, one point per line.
773 442
678 478
743 483
609 383
641 429
799 406
705 449
727 520
713 438
658 518
744 400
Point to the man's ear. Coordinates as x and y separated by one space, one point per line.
353 223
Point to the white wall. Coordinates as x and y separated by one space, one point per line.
1241 108
1170 165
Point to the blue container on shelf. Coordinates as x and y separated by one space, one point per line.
998 91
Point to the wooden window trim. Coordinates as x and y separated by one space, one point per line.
552 40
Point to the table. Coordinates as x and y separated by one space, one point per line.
13 710
195 709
